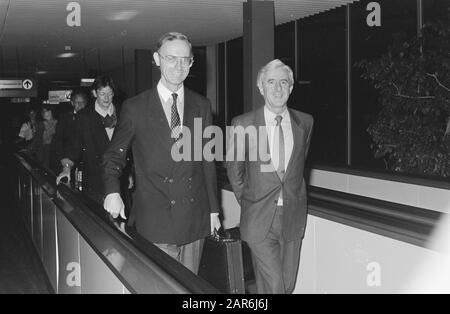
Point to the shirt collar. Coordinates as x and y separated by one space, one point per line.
103 112
270 116
166 93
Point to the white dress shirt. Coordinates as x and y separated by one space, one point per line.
103 113
271 123
166 98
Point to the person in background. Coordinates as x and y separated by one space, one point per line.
42 141
94 129
28 128
65 134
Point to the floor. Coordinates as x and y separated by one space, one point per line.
21 271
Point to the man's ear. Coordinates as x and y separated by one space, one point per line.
261 90
94 93
156 58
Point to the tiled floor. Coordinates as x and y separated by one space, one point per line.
20 268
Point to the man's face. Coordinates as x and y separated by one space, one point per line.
276 88
173 72
79 102
104 96
47 115
32 115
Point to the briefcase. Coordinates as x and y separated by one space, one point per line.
221 264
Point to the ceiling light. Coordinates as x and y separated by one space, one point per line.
41 72
123 15
66 55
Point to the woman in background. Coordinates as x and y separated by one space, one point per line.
44 136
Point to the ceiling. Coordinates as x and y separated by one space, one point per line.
34 32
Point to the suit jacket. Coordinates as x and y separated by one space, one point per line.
63 138
89 144
258 191
173 200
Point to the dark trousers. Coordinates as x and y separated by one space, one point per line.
276 261
188 254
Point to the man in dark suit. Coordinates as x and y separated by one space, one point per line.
269 185
64 134
175 204
93 131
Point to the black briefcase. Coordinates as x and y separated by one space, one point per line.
221 264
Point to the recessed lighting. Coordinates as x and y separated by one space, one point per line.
123 15
66 55
41 72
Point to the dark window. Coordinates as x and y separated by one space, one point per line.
398 18
196 79
321 84
285 44
235 80
434 10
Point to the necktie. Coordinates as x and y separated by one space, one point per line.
175 119
280 146
110 121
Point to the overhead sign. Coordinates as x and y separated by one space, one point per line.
27 84
57 96
10 84
18 87
20 100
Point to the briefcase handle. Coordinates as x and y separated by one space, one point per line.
221 236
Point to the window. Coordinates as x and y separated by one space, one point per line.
367 43
321 84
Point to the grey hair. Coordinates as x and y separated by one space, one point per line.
274 64
172 36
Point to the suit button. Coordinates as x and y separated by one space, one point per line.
170 180
172 202
192 200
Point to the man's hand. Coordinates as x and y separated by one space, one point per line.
113 204
64 174
130 182
215 222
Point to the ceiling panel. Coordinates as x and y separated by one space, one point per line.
33 32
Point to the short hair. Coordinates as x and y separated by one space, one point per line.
47 107
103 81
274 64
172 36
78 92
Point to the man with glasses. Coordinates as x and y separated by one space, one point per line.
175 204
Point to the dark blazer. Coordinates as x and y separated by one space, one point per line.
173 200
258 191
64 136
88 146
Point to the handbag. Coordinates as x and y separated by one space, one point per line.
221 264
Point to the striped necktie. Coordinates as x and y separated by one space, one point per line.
175 124
280 146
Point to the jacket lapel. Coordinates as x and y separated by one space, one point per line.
98 132
260 123
158 120
298 135
190 112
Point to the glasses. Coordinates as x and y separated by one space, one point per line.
185 61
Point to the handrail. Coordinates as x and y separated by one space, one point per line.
409 224
430 181
90 220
